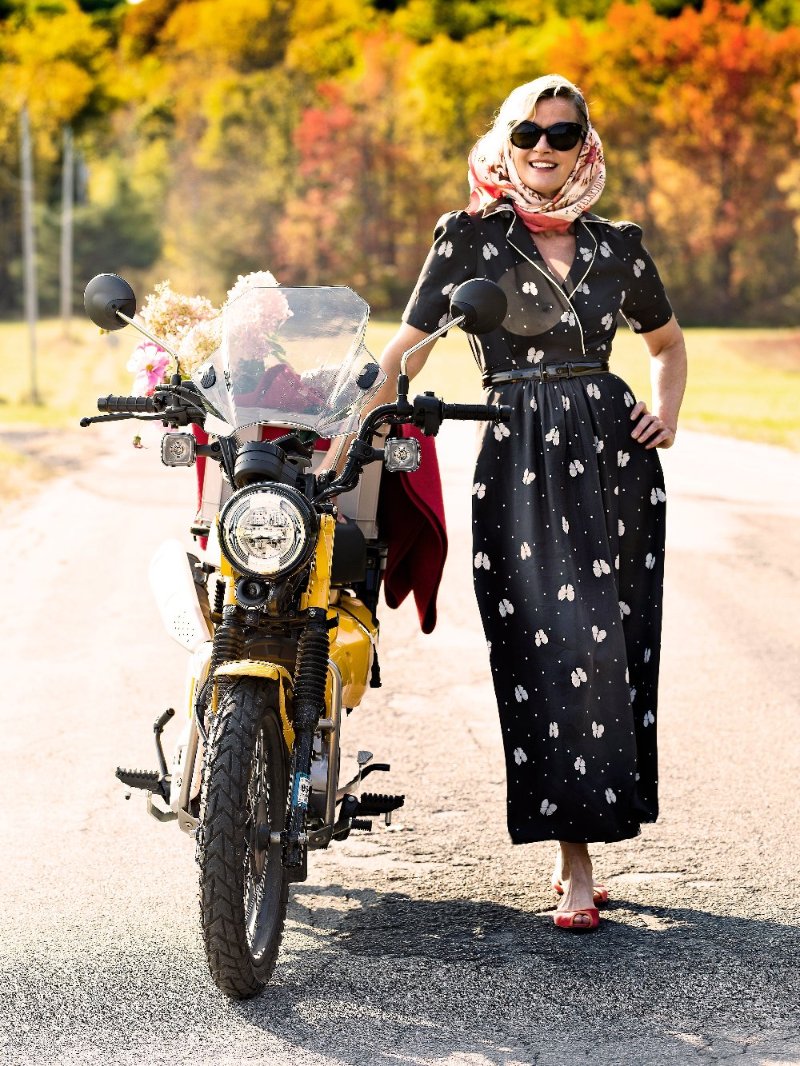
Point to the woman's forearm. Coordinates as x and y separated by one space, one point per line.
668 378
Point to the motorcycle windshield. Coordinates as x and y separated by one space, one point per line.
287 356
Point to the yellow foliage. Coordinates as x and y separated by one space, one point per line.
52 63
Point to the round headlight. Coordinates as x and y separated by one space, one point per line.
267 530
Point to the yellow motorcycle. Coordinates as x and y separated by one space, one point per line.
278 610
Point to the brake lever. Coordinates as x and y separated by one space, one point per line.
121 417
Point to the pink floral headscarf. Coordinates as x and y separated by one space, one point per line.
493 176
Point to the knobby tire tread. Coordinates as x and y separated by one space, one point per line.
221 839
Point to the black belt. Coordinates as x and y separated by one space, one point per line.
546 372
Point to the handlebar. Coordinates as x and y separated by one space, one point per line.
477 412
131 405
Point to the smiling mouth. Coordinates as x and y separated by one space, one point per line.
543 166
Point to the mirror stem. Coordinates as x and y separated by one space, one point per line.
151 337
431 337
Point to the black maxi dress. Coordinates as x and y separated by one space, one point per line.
568 525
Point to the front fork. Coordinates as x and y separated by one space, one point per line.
311 675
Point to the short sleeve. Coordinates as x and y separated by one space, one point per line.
452 259
645 304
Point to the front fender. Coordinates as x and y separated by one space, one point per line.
272 671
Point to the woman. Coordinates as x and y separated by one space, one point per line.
568 512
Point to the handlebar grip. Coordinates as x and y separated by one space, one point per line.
129 405
477 412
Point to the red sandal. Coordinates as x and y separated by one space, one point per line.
566 920
600 894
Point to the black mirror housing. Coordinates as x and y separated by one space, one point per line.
104 296
482 303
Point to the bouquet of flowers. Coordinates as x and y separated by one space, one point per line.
192 326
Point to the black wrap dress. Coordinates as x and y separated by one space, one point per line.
568 525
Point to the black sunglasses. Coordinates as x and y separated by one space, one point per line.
561 135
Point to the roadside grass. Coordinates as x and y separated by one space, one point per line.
742 382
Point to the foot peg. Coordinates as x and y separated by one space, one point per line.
377 803
147 779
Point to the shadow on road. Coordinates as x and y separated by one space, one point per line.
462 977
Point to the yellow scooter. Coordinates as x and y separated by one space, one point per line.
278 612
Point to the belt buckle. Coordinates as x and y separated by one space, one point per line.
544 374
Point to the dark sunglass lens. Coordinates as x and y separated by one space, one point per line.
564 135
526 135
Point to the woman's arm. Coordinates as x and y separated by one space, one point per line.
668 376
405 338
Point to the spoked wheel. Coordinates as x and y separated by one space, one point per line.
243 885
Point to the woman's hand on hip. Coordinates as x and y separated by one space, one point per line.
650 430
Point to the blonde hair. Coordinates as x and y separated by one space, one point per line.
520 104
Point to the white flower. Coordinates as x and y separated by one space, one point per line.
530 288
657 495
585 254
623 458
592 390
565 402
629 401
605 250
578 676
489 646
598 730
552 436
479 490
607 321
649 718
638 267
580 765
565 525
600 566
445 249
568 317
636 326
520 695
554 729
445 318
620 527
548 808
528 476
534 404
519 756
489 250
616 561
575 468
647 654
566 592
448 289
482 560
535 355
627 676
598 634
525 550
599 445
633 694
584 288
611 796
506 607
540 637
623 609
650 561
501 430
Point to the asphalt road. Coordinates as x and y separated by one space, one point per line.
432 942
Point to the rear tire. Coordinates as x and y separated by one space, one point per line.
243 885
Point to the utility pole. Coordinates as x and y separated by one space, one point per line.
29 248
67 200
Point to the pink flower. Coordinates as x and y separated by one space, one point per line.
149 363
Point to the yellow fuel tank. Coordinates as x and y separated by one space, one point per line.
353 647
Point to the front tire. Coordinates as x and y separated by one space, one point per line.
243 885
